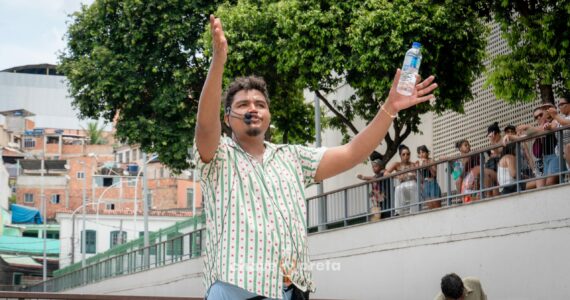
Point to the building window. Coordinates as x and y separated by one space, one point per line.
118 238
52 235
55 198
110 206
28 198
190 198
33 234
17 278
80 175
29 143
135 152
90 242
120 158
127 157
53 140
107 181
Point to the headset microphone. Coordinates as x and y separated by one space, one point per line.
247 117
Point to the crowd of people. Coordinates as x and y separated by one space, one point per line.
542 160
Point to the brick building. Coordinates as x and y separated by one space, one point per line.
108 175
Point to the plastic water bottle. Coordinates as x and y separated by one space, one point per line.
410 69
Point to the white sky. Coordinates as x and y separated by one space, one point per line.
31 31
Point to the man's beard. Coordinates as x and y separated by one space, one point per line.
253 132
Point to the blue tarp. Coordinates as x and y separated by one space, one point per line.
24 214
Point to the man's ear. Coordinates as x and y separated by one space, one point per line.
227 120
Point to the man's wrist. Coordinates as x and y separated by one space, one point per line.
390 109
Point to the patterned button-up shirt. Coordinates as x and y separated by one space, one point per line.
256 216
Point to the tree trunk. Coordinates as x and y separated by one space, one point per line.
546 93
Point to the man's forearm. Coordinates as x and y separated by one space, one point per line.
208 126
368 139
209 105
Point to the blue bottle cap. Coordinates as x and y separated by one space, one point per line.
416 45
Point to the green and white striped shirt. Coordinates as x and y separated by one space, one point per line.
256 216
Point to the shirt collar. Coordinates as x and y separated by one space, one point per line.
270 149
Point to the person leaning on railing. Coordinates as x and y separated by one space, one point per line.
430 187
506 168
544 147
563 119
462 169
406 191
377 191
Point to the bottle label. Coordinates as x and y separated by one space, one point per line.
412 64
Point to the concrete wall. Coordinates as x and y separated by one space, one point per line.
177 280
517 246
34 181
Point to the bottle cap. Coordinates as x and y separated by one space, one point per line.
416 45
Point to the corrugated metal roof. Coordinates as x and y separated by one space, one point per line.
28 245
20 260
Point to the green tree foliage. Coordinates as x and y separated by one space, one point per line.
320 45
253 44
538 34
95 134
142 60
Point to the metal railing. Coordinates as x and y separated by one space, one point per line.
28 295
527 162
171 251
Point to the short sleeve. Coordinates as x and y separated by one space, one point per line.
309 159
208 171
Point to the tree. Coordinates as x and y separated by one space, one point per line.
144 59
319 45
253 44
538 33
95 134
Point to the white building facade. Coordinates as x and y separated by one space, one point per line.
105 231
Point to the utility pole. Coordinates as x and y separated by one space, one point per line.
194 194
145 210
320 187
83 234
44 211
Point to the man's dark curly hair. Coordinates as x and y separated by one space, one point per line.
452 286
245 83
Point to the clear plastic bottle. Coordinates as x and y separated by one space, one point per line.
410 69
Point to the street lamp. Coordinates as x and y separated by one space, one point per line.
83 234
145 203
145 195
83 242
44 208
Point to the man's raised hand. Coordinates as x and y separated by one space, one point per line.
219 42
422 92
